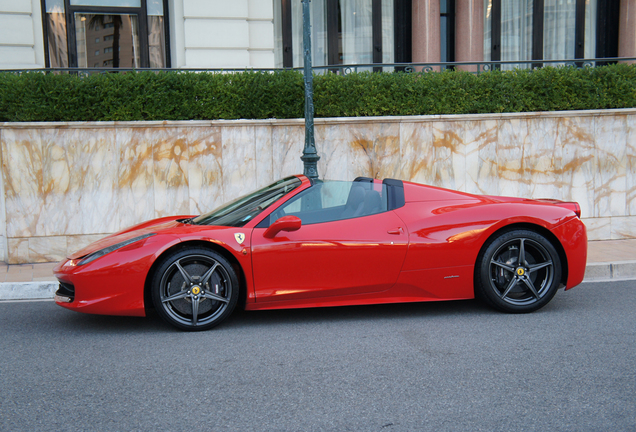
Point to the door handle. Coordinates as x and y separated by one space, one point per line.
395 231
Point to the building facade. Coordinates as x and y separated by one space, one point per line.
268 33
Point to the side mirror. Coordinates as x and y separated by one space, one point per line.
286 223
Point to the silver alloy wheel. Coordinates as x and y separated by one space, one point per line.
521 271
195 291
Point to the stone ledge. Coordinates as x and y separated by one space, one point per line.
27 290
609 271
317 121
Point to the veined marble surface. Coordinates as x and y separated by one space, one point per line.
67 184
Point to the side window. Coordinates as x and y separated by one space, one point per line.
334 200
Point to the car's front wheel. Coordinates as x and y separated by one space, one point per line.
519 271
194 289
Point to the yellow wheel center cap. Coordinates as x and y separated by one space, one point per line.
521 271
196 290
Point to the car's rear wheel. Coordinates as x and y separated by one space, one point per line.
518 271
194 289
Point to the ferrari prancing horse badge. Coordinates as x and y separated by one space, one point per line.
240 237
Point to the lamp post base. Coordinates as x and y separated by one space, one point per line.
310 163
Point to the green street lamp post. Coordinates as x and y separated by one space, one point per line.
310 156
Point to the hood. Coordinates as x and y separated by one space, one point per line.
152 226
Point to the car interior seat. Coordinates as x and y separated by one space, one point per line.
372 203
355 203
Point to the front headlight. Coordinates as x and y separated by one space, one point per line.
100 253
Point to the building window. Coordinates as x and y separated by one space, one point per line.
129 33
509 30
607 29
559 29
342 32
540 30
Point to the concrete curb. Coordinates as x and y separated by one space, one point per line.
594 272
610 271
27 290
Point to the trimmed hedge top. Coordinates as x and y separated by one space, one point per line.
35 96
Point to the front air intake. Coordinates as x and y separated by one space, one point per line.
65 293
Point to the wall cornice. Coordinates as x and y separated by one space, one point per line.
317 121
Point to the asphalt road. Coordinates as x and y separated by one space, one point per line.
435 366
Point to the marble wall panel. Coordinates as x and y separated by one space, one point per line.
287 147
22 171
3 215
374 150
623 227
598 228
239 161
264 156
205 169
449 160
415 160
480 149
4 249
542 160
361 155
610 133
18 250
79 183
60 181
512 139
170 171
332 143
90 201
630 169
433 153
78 242
47 249
135 177
575 135
387 150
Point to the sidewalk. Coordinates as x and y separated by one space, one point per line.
611 259
606 260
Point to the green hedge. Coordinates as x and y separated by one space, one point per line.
35 96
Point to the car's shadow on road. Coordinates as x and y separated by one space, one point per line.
347 314
241 319
107 324
67 321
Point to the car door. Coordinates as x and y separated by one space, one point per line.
346 246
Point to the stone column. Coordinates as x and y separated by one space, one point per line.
469 32
627 29
426 32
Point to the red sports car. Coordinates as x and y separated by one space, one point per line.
307 243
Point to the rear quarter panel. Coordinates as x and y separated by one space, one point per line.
446 236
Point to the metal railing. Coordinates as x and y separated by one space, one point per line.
474 67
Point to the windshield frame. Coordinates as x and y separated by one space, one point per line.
240 211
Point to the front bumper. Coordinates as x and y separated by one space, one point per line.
107 286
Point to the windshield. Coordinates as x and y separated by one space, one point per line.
240 211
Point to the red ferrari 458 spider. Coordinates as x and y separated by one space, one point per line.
308 243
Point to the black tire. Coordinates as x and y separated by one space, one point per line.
194 289
519 271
